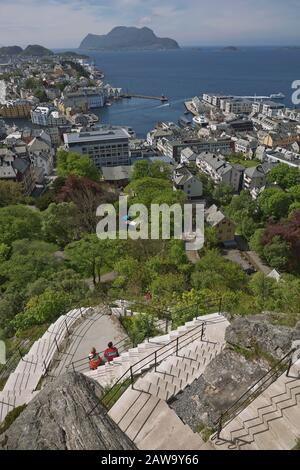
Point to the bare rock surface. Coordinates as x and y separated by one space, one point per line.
225 379
57 419
258 332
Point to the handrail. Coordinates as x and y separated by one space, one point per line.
84 360
213 302
154 355
116 387
250 395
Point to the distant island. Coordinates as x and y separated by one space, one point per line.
34 50
124 38
38 51
72 54
230 49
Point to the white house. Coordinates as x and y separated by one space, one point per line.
185 181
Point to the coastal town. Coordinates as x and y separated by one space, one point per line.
191 339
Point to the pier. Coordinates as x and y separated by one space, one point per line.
145 97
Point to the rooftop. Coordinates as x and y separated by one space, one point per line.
97 135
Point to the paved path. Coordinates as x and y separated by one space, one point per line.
193 256
94 331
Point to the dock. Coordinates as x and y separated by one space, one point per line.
144 97
191 108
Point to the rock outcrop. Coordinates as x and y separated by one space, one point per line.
123 38
258 333
225 379
57 419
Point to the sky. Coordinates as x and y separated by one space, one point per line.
64 23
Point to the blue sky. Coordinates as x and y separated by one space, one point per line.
64 23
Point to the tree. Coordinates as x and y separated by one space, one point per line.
60 223
87 195
43 308
216 273
277 253
140 327
275 203
294 208
256 243
146 168
284 175
223 194
211 237
29 260
72 163
10 193
243 211
165 286
18 222
92 257
288 230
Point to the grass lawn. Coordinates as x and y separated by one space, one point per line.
245 162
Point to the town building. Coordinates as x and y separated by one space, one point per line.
16 109
106 146
185 181
224 227
44 115
220 171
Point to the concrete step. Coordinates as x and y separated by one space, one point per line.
163 430
17 382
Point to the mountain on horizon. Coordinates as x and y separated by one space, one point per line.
127 38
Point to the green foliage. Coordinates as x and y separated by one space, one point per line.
222 194
59 223
146 190
205 432
29 260
11 417
18 222
43 308
166 286
256 241
140 327
211 237
284 175
10 193
275 203
145 169
214 272
91 256
277 253
72 163
243 211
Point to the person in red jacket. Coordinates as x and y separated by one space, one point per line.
95 359
111 352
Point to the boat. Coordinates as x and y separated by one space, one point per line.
277 96
108 103
200 121
163 98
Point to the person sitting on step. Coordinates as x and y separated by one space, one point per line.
111 352
95 359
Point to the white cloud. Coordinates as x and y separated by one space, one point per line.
64 23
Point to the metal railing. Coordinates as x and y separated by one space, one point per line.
151 361
23 347
254 391
82 364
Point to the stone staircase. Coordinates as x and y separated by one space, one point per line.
20 387
142 358
270 422
142 412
